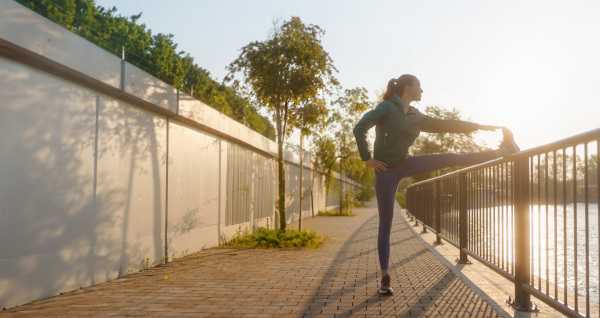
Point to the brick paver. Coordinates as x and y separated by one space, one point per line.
340 279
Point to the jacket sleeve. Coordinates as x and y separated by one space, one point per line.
436 125
368 120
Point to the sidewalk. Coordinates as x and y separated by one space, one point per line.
340 279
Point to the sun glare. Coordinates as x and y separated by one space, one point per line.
524 91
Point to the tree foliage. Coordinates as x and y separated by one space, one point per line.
286 72
336 140
155 54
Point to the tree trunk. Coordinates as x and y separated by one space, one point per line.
281 201
301 189
312 184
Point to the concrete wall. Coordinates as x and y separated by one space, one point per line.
100 177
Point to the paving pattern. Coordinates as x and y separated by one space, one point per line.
340 279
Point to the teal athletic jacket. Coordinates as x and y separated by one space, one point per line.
396 131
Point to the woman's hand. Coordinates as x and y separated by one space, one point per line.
379 166
489 127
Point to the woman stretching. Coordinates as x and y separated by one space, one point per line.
397 125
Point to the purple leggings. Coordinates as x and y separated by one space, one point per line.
386 184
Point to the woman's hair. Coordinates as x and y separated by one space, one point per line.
396 85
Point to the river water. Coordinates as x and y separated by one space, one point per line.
549 247
570 241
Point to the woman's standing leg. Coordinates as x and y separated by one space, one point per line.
386 183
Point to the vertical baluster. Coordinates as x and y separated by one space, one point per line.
505 217
476 210
481 200
512 217
546 217
587 231
458 188
486 222
530 212
502 203
471 217
564 162
497 216
539 229
440 210
489 213
554 177
462 183
437 211
575 226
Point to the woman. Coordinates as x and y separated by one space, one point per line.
397 126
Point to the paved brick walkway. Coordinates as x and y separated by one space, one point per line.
340 279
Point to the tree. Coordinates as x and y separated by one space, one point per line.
287 71
429 143
348 107
312 114
337 141
324 159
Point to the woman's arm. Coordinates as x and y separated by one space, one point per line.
436 125
362 127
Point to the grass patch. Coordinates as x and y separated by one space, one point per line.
335 213
265 238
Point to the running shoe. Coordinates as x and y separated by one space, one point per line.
386 285
508 141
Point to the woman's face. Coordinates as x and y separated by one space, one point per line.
414 91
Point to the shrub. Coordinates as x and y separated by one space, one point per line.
335 213
265 238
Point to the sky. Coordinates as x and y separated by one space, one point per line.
532 66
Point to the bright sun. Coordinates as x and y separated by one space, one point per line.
524 91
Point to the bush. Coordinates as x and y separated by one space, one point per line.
265 238
335 213
401 198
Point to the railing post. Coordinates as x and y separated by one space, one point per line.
462 218
437 211
521 232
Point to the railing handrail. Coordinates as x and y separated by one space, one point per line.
555 145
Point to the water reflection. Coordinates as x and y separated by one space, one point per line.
557 234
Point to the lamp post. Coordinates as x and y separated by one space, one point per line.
341 175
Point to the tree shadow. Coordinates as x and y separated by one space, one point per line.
82 194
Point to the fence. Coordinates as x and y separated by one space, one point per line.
532 217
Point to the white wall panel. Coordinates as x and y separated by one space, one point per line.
23 27
205 115
194 174
149 88
47 129
131 184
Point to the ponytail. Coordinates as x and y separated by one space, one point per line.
396 85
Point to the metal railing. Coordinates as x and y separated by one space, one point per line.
532 217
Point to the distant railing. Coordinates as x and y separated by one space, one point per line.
532 217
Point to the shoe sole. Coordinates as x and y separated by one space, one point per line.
386 292
511 144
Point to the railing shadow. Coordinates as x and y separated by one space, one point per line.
421 282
